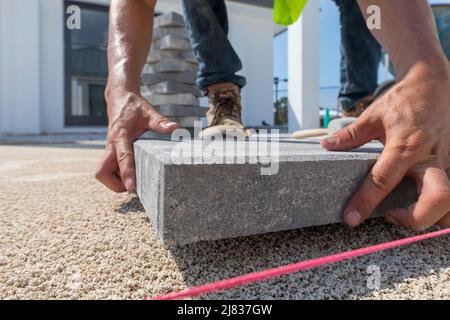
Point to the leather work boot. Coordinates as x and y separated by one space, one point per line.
359 107
224 114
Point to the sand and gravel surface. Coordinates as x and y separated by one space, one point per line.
64 236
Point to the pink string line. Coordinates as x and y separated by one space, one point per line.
295 267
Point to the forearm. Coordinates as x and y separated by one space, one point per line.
130 36
408 34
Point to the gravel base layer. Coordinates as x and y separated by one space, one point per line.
64 236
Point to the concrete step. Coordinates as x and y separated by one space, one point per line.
171 87
188 77
159 33
192 192
158 55
189 56
183 99
172 43
169 20
171 65
171 110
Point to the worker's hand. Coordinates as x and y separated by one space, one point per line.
412 120
130 116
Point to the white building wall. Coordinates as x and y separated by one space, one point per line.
20 102
32 63
52 65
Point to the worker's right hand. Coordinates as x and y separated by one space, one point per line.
412 121
130 116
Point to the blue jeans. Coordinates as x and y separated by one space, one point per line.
360 55
207 22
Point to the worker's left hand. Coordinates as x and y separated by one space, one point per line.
412 120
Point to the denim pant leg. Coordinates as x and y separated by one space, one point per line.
207 22
360 55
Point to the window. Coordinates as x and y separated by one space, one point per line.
86 67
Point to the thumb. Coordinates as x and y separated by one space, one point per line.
160 124
353 136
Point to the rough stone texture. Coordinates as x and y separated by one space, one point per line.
193 202
187 99
172 110
158 55
172 65
159 33
188 77
172 87
190 57
172 42
170 19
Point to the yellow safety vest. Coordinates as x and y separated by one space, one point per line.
286 12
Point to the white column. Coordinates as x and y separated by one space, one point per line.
251 34
19 66
304 68
52 65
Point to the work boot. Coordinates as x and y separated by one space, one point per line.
359 107
224 114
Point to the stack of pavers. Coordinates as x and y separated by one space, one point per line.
168 79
